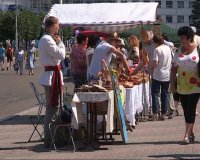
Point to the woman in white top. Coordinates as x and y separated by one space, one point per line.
186 64
20 59
161 75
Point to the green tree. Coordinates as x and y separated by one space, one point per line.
7 25
196 15
29 25
66 33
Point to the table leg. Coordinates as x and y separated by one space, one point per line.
91 141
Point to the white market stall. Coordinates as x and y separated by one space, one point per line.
105 17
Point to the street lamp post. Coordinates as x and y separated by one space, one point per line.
16 27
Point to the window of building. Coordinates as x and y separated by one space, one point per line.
146 1
169 4
168 19
180 19
66 1
89 1
54 1
190 4
123 1
111 1
98 1
159 4
134 1
180 4
190 19
77 1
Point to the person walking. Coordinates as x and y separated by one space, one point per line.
186 64
31 58
197 42
9 53
2 56
19 59
51 51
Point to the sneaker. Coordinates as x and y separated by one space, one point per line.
154 117
171 116
162 117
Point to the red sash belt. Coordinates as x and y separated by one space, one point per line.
56 86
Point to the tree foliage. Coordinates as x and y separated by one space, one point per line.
196 15
7 25
29 25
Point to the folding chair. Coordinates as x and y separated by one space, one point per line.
38 119
68 127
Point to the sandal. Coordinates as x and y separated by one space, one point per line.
186 141
192 138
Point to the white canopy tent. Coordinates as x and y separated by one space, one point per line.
105 17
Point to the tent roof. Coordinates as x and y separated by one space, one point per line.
106 17
91 32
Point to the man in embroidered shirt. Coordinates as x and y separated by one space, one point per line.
51 51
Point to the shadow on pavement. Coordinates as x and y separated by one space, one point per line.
17 120
160 143
15 148
177 156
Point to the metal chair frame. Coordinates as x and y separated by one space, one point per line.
67 126
37 120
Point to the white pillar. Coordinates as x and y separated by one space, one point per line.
61 1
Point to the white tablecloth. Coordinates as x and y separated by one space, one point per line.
137 99
92 97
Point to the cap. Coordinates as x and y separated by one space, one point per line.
121 43
194 29
114 37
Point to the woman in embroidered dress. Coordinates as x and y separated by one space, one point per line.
185 63
78 61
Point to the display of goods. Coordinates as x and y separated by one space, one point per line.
105 80
91 88
130 80
128 84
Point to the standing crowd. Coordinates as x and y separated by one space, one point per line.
174 72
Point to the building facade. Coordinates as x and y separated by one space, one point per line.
174 13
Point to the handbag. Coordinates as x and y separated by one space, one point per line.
66 114
16 66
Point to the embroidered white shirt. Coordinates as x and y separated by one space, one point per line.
50 54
